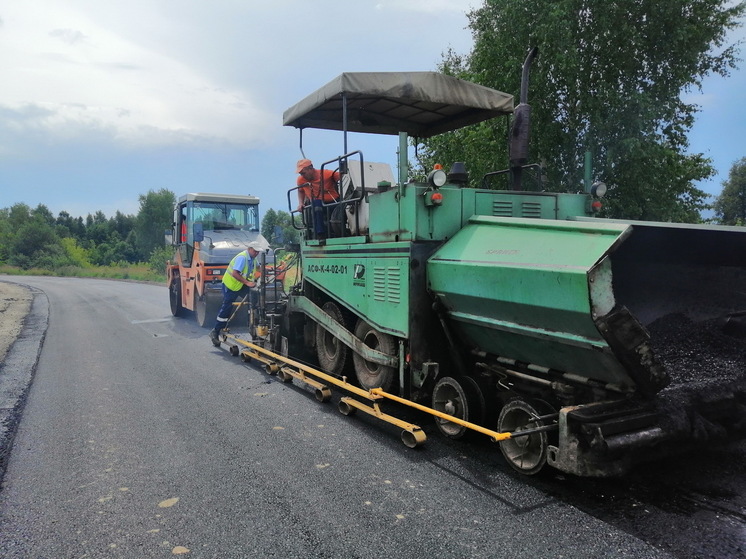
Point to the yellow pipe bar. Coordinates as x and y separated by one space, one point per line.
494 435
311 371
372 394
375 411
412 435
300 375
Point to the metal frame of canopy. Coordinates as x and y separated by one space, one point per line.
419 104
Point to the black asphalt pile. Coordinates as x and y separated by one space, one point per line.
707 395
697 351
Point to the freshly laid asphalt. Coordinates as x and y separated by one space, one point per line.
141 439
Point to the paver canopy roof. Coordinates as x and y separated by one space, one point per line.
421 104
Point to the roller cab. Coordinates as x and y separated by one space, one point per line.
209 229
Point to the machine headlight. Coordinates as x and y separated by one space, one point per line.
598 189
437 177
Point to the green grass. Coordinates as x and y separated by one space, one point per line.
135 272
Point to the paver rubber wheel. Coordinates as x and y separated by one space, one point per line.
526 454
461 398
332 353
373 375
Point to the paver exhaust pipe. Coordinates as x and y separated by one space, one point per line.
521 125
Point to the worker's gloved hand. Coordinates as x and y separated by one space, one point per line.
258 283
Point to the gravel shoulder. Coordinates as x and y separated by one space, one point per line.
24 314
15 304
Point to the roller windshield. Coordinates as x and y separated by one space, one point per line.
216 216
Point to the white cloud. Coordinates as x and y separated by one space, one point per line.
76 75
101 101
69 36
145 72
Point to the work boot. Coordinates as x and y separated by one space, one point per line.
215 337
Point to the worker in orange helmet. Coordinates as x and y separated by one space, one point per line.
315 184
316 189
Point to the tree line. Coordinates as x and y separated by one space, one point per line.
33 238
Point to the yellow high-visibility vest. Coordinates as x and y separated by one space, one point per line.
232 283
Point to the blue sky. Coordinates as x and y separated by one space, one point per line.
103 101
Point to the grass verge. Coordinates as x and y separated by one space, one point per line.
136 272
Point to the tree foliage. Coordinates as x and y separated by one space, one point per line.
34 238
155 216
36 242
609 79
277 228
730 206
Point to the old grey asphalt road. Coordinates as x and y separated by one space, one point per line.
139 439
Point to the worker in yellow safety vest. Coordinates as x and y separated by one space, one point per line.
238 281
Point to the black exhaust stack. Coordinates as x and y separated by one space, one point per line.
521 124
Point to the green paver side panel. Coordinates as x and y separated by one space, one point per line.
530 289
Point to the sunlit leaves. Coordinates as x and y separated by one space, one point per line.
609 79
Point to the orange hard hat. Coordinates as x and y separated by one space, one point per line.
302 164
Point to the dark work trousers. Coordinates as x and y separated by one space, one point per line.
319 215
315 217
229 297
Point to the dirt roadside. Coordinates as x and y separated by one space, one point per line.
15 303
19 352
